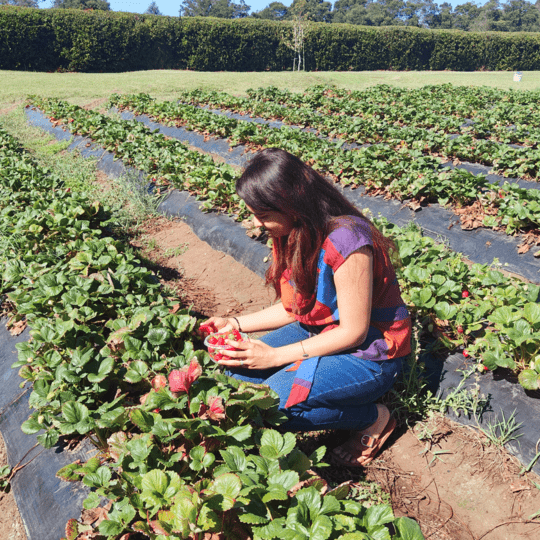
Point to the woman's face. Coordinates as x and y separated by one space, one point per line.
276 223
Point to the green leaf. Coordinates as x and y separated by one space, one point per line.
407 529
92 501
321 528
503 316
158 336
274 445
240 433
110 528
285 479
378 515
529 379
142 419
106 365
227 484
531 312
136 372
75 412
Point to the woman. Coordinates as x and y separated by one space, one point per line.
341 329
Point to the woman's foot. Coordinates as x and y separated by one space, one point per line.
364 445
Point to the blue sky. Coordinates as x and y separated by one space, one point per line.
171 7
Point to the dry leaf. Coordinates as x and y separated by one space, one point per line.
18 327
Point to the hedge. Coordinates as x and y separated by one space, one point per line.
74 40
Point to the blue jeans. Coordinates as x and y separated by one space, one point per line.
344 389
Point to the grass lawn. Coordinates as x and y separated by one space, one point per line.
83 88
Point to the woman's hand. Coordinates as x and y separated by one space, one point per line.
216 324
250 354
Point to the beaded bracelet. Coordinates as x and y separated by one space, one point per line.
238 323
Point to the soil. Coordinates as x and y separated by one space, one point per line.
444 475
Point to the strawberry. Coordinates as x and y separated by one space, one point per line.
237 335
460 329
465 294
220 341
212 340
466 353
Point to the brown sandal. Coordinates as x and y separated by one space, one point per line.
368 447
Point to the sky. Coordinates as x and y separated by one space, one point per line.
171 7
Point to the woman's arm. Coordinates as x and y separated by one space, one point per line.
354 287
265 319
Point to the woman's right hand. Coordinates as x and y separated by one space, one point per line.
217 324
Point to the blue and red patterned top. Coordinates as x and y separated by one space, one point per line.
389 334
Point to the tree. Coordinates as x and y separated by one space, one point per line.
465 15
300 25
276 11
82 4
224 9
313 10
20 3
153 9
520 16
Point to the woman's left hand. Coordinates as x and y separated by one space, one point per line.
251 354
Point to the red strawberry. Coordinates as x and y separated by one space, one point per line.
465 294
466 353
213 340
460 329
220 341
237 335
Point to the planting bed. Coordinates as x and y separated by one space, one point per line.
494 316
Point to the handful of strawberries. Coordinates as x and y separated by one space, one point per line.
216 341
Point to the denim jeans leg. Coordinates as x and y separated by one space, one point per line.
343 394
344 390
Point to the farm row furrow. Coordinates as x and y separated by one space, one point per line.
481 317
523 162
400 173
104 339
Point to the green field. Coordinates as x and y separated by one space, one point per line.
82 88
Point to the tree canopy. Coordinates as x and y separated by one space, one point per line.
511 16
82 4
225 9
153 9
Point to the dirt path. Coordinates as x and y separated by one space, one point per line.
440 473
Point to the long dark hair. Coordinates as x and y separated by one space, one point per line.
277 181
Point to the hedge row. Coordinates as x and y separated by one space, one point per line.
50 40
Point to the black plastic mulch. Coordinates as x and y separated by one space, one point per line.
45 502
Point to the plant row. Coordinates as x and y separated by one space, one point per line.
182 449
472 306
507 116
345 125
398 172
